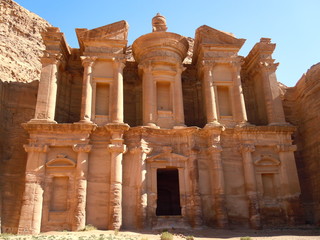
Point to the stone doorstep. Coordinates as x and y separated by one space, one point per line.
169 222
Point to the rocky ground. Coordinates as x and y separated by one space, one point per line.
301 233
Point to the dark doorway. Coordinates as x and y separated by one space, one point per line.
168 202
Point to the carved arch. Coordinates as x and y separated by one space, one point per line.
267 161
61 161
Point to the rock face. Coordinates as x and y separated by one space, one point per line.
21 47
302 108
20 43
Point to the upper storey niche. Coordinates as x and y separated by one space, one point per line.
160 55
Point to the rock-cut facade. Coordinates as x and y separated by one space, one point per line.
157 135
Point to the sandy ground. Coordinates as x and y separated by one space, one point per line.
300 233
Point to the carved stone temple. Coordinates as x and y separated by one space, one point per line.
159 134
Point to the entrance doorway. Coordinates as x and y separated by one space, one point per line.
168 202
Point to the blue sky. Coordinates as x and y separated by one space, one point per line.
294 25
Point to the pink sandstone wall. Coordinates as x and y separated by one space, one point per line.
302 108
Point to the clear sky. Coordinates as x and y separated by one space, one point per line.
294 25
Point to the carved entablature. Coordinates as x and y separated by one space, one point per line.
34 147
55 43
110 38
61 161
260 58
211 43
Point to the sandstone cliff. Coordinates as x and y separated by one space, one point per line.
20 43
21 47
302 108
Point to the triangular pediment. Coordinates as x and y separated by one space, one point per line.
167 157
114 31
209 35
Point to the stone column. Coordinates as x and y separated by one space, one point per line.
239 105
289 181
116 149
79 221
117 92
251 185
178 98
47 93
197 208
32 202
209 95
148 93
273 102
218 186
86 100
141 155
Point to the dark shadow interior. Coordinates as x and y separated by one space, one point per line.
168 202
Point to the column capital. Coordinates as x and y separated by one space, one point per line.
119 64
141 149
268 65
34 147
51 58
117 148
207 65
214 148
286 148
82 148
246 147
88 61
145 66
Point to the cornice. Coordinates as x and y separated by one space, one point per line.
64 128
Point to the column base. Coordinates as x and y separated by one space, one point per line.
84 121
151 125
182 126
42 121
279 124
244 124
213 124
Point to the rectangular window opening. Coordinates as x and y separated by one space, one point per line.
164 96
225 108
102 99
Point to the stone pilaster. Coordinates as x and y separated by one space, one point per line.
273 101
86 100
32 202
197 206
140 154
148 95
289 181
47 93
116 149
209 94
117 93
240 114
218 186
178 98
251 185
81 186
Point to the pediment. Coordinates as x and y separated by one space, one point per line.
209 35
167 157
61 161
115 31
267 161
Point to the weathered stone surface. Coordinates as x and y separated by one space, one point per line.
21 44
301 105
187 116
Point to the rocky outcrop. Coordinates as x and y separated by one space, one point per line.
21 47
302 104
20 43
